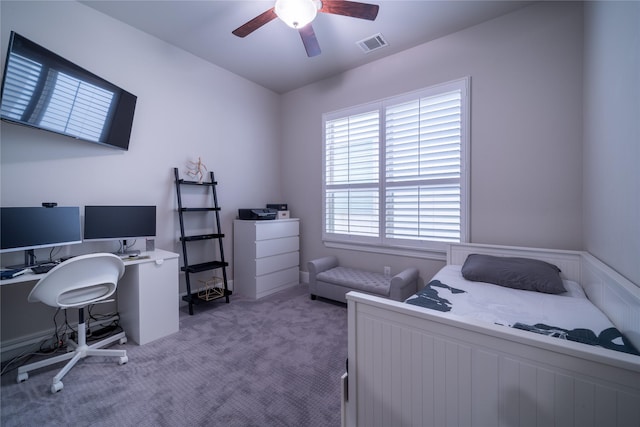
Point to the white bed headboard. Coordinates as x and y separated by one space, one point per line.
567 261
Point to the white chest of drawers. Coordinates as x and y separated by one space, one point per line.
266 256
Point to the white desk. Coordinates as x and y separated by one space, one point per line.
147 295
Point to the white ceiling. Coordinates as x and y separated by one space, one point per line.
273 56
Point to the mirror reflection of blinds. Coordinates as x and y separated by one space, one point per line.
20 83
64 103
75 107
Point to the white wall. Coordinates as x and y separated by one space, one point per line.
186 108
612 135
526 132
527 188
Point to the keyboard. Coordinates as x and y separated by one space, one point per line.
42 268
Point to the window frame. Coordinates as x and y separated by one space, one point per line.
380 244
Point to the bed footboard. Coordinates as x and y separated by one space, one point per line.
410 367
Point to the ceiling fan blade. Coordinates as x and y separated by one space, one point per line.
350 8
309 40
255 23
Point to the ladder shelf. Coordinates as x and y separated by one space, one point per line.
200 297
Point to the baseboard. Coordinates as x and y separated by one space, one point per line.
31 343
303 277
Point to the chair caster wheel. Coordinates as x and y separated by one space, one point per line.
123 360
56 387
123 340
22 377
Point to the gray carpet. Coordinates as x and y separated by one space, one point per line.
276 361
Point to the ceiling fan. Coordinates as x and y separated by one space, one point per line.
299 14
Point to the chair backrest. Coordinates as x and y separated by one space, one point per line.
79 281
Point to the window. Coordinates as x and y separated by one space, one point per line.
395 171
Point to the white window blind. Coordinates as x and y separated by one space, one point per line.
352 175
395 174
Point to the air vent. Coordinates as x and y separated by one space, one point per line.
372 43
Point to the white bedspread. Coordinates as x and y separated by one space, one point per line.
485 302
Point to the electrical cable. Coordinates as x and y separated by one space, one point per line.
54 251
56 346
59 335
106 330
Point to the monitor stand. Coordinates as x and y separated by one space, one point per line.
123 252
29 260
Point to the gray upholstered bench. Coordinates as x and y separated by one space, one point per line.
328 279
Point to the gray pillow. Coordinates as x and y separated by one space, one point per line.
517 273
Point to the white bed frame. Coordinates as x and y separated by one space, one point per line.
409 366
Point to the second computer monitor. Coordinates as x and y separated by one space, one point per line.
119 222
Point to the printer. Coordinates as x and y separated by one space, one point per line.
257 214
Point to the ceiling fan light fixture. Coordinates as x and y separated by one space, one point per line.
296 13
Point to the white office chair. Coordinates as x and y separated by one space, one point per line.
76 283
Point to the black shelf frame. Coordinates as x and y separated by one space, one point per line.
201 237
194 298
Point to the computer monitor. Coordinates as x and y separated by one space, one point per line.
119 223
29 228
